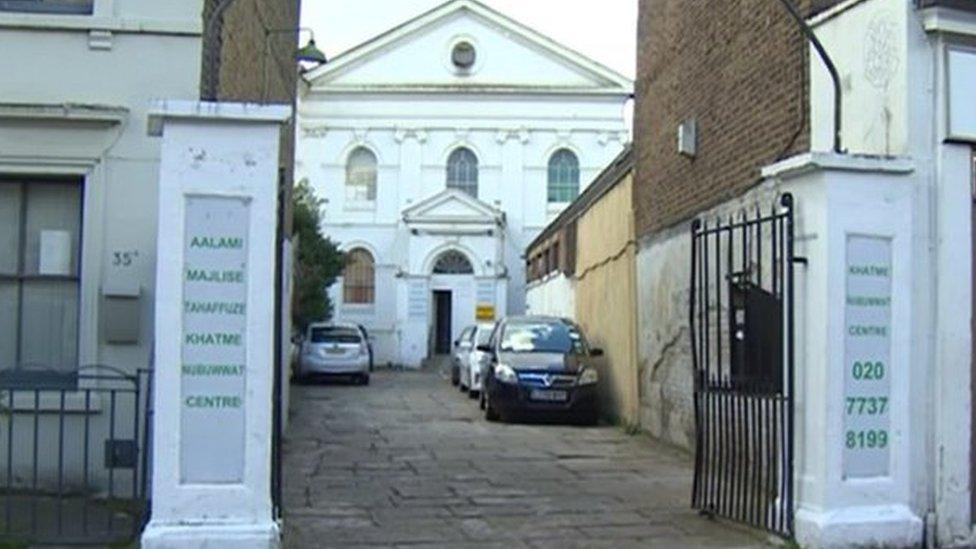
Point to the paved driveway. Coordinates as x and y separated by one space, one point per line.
409 461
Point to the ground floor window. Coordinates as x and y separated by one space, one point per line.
40 256
359 277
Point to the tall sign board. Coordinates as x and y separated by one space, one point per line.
867 358
214 339
214 326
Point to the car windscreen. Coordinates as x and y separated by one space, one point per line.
335 334
542 337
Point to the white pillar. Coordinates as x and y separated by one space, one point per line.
214 355
855 219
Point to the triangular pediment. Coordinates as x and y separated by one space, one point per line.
451 206
509 57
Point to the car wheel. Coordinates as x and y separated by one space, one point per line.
364 379
473 394
455 376
588 417
490 413
481 401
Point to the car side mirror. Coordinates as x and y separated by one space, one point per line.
296 339
596 352
484 348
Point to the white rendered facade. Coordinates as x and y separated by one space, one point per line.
402 98
74 101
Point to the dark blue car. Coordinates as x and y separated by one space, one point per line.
540 365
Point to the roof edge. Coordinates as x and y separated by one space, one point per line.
450 6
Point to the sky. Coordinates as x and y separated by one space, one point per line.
604 30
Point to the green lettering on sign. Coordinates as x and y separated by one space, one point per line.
217 242
215 307
212 401
226 277
866 439
867 331
868 301
869 270
213 369
214 339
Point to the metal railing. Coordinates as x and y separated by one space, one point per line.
741 318
73 455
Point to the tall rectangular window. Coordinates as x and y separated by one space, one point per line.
66 7
40 256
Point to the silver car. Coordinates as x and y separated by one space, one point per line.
335 349
470 376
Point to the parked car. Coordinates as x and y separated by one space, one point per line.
335 350
459 351
539 364
369 344
470 373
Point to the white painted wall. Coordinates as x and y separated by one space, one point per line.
211 473
901 96
552 295
122 57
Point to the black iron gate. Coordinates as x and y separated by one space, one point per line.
741 318
73 456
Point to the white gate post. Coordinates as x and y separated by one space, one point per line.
214 326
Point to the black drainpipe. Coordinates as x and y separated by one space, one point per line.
808 32
211 52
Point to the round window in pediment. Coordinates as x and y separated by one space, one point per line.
463 56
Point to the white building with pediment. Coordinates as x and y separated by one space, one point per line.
442 147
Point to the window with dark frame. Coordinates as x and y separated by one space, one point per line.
564 174
40 257
453 262
361 175
462 171
359 278
62 7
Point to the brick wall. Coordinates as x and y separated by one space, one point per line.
739 68
257 63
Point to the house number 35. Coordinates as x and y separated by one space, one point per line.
124 258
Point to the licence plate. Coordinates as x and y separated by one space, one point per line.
336 351
548 396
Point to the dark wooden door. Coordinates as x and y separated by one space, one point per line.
442 322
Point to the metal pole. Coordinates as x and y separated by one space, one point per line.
834 76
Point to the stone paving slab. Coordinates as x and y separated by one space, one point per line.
408 461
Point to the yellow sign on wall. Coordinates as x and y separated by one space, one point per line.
484 311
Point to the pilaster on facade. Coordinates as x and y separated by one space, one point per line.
521 135
314 131
401 134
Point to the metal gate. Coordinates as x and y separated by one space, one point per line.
73 456
741 318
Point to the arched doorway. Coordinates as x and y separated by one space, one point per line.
451 279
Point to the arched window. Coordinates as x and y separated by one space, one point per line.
359 277
462 171
361 175
563 176
453 262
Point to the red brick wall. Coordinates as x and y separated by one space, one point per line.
736 66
